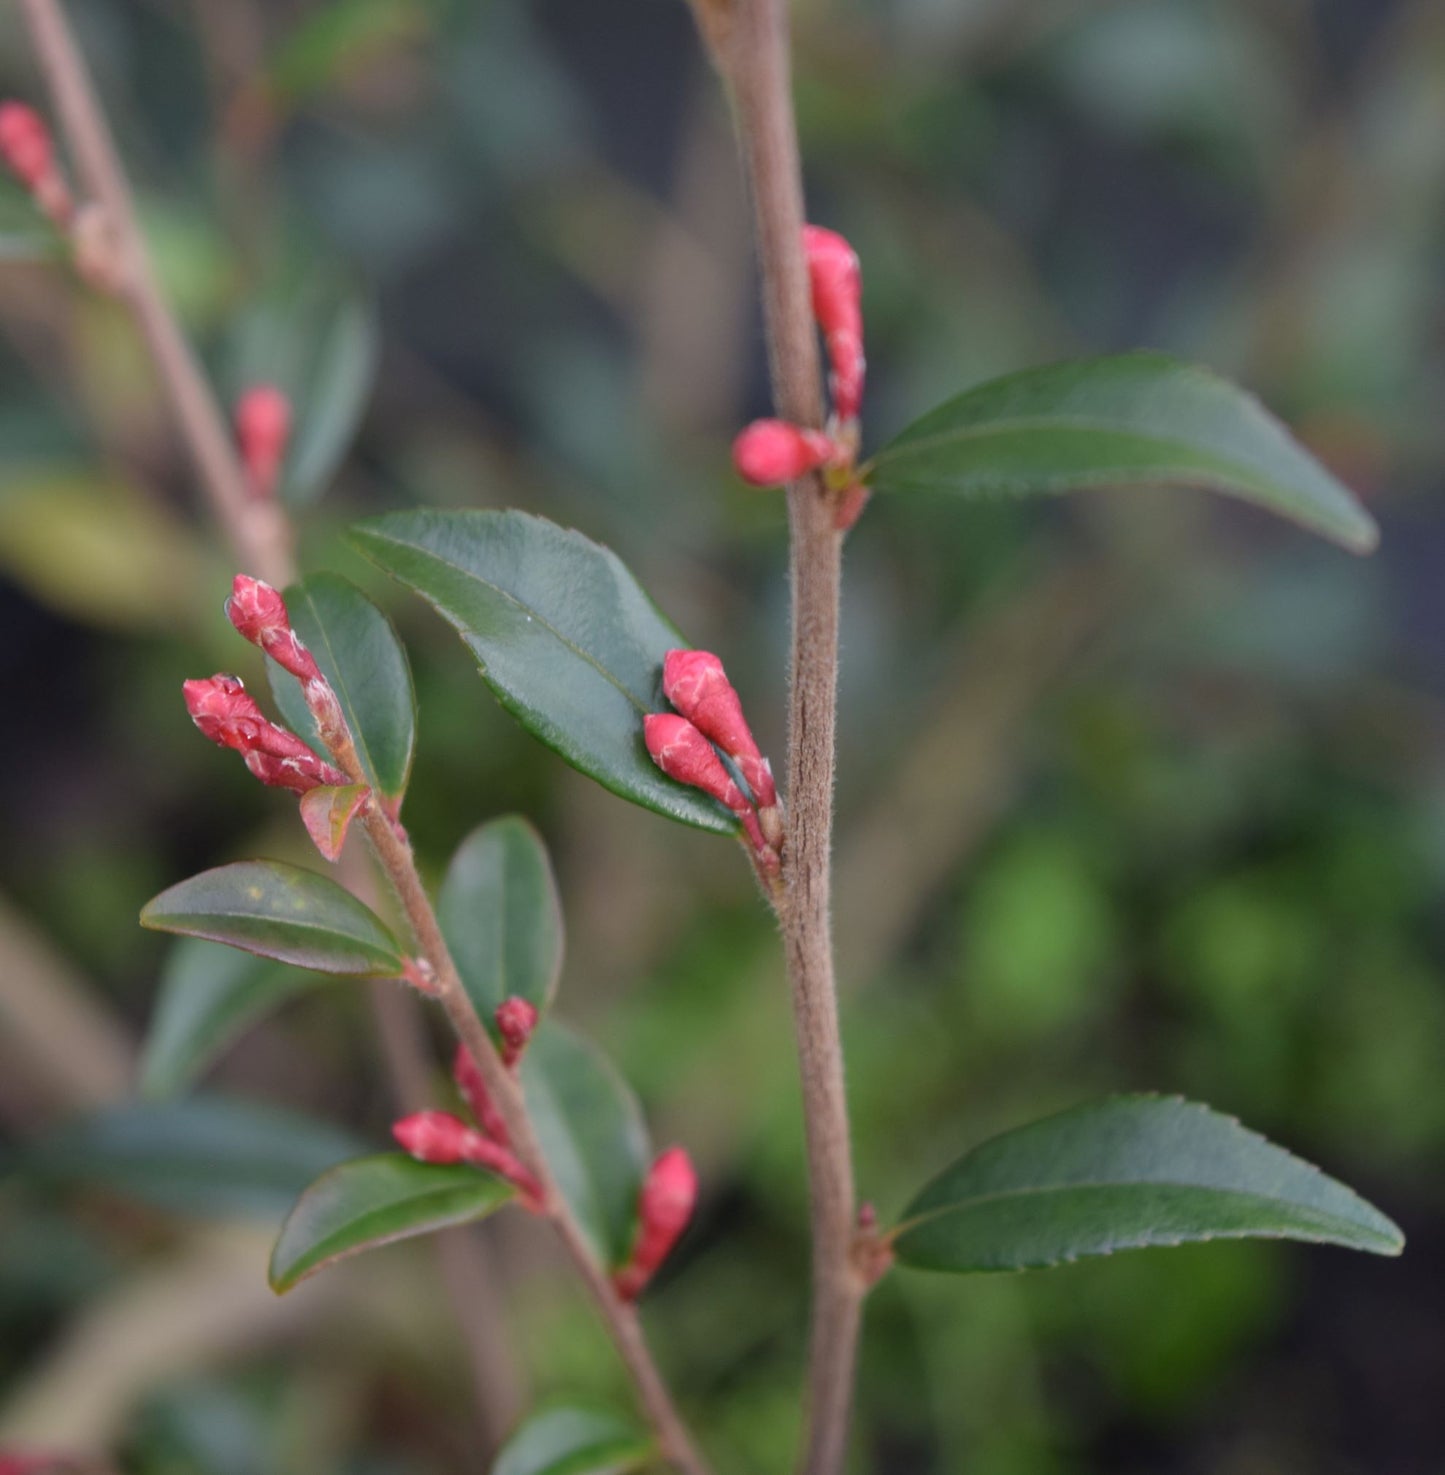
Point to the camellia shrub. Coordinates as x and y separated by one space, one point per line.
540 1125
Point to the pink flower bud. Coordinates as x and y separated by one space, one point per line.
696 684
495 1158
259 613
468 1076
516 1019
25 146
837 285
433 1136
263 429
684 754
768 453
220 707
665 1207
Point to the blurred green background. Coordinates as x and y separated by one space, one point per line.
1137 791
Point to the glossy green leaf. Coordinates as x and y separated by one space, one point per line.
592 1134
563 633
205 1155
501 916
209 996
375 1201
575 1441
279 911
312 333
1139 419
1125 1173
360 655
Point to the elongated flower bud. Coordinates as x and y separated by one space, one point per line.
220 707
468 1076
683 753
768 453
263 429
480 1152
433 1136
25 146
516 1019
259 613
837 287
665 1207
696 684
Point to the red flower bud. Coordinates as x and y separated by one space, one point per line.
433 1136
263 428
223 711
25 146
837 286
259 613
516 1019
664 1210
683 753
468 1076
768 453
696 684
495 1158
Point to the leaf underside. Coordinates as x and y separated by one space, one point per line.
1126 1173
1136 419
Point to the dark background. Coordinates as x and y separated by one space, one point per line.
1137 791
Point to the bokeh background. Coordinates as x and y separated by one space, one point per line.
1137 791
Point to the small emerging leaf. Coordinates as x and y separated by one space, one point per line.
375 1201
327 812
501 916
360 655
279 911
563 633
575 1441
1121 1174
206 1155
592 1134
1138 419
209 996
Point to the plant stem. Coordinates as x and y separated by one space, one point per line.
749 40
261 535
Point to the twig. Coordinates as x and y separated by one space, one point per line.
749 39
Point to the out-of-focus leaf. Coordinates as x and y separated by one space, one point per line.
24 233
376 1201
592 1134
1121 1174
335 39
563 633
209 996
360 655
209 1156
575 1441
502 917
313 335
93 549
279 911
1138 419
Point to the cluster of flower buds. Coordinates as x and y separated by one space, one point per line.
440 1137
27 151
685 744
262 420
664 1209
225 713
770 453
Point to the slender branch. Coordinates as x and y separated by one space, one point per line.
749 40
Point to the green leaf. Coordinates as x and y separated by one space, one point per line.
592 1134
209 996
1125 1173
501 916
375 1201
279 911
575 1441
1139 419
360 655
563 633
336 39
312 333
206 1155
